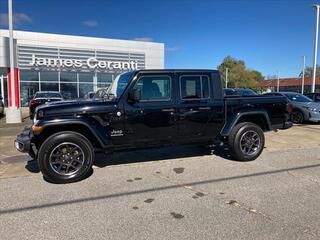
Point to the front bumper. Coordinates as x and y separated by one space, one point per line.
314 116
23 141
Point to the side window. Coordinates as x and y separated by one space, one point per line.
154 88
205 87
194 87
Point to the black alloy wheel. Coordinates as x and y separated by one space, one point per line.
65 157
246 141
250 142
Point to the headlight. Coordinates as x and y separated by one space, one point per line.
311 109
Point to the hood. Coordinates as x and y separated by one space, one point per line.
76 107
315 105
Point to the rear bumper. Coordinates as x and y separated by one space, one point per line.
23 141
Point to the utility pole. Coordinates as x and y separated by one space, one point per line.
315 53
303 70
278 83
227 69
13 114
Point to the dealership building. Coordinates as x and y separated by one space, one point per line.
290 84
73 65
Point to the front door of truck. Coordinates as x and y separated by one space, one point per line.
152 119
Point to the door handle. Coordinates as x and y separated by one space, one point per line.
168 110
204 108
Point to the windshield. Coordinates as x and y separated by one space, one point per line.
120 83
48 95
229 92
298 97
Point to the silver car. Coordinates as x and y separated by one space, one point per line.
303 108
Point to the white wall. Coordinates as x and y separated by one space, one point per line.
154 52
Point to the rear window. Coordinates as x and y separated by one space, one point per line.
298 97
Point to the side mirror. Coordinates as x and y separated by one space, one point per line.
135 95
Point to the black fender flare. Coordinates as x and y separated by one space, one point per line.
232 122
100 134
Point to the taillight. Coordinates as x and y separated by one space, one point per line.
289 108
34 101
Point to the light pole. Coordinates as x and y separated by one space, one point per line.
303 70
13 114
227 69
278 83
313 88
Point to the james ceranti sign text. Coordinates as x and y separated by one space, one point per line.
91 62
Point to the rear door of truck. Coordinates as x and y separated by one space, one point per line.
200 115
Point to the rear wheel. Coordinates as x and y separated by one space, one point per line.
246 141
297 117
66 157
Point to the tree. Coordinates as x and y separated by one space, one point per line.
238 74
308 71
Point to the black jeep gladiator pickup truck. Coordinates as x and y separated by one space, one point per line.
148 108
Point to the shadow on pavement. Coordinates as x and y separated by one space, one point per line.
156 154
147 155
128 193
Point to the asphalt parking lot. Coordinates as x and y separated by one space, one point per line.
187 192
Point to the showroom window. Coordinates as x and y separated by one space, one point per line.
26 75
104 77
84 89
69 90
49 76
46 86
27 91
104 80
86 77
72 85
68 77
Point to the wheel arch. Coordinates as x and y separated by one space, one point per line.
259 118
77 127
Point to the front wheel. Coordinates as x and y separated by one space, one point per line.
65 157
297 117
246 141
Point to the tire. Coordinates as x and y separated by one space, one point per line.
65 157
240 147
297 117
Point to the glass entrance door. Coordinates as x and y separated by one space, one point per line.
3 89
